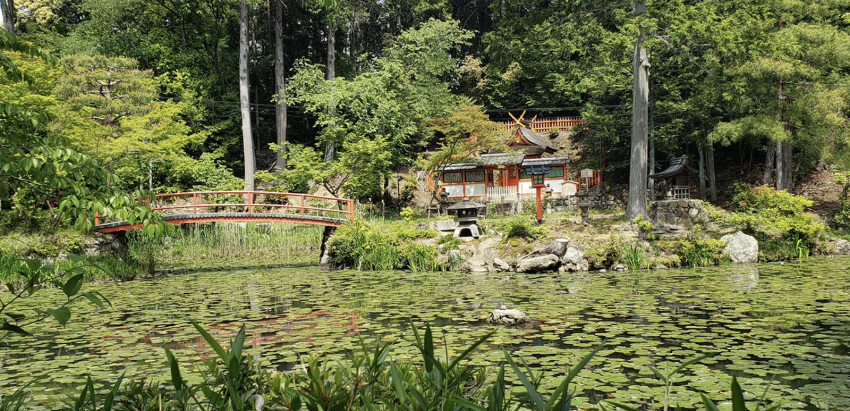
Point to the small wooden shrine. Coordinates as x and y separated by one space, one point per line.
675 182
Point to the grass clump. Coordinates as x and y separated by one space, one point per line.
702 251
360 246
520 226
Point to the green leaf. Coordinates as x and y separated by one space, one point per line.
176 378
212 342
623 406
471 348
13 328
709 405
94 300
429 348
61 314
562 389
398 383
738 403
15 317
658 374
73 285
532 392
688 363
107 402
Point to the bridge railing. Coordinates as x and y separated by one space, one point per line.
200 202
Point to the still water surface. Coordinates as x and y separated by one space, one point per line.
786 323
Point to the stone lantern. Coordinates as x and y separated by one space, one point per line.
467 219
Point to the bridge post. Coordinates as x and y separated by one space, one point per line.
195 202
350 202
251 202
302 204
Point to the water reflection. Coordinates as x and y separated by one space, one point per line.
743 277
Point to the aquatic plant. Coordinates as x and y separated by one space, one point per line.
633 254
701 251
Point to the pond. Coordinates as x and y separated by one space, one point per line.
783 326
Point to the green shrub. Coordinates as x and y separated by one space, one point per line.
449 242
408 214
362 247
774 214
701 252
643 226
554 132
519 226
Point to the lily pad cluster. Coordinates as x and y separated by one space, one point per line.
779 328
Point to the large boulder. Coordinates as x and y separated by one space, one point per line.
500 265
842 247
557 247
507 317
573 256
741 248
537 264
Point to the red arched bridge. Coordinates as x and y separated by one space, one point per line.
206 206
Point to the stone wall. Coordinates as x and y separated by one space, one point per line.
683 213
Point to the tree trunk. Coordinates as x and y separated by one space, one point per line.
651 181
701 154
768 163
8 7
280 86
247 143
640 129
712 181
330 147
784 173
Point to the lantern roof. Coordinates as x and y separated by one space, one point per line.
463 205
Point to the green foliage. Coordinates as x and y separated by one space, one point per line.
361 246
633 255
111 111
554 132
702 251
449 242
370 380
774 214
408 214
520 226
643 226
408 189
25 277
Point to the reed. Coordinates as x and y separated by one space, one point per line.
220 240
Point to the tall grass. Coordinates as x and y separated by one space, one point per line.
220 240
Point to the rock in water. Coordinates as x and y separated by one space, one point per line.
537 264
557 247
501 265
573 256
842 247
507 317
741 248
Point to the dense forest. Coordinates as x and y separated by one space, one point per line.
151 88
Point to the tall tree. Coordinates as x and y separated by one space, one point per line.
7 7
110 110
640 122
280 86
244 102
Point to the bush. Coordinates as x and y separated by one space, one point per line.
357 245
554 132
643 226
449 242
632 254
701 252
520 226
774 214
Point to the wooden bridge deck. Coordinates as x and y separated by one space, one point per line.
195 211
